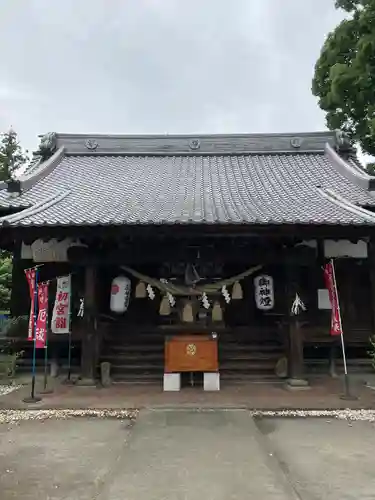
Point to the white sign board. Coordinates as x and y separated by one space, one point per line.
61 311
323 299
264 292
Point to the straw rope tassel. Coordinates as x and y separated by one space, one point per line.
165 307
187 313
217 312
140 290
237 293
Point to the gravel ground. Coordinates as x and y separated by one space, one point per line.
6 389
7 416
360 415
13 416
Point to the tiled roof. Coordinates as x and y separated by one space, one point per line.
284 188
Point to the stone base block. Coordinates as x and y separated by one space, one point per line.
211 381
296 384
172 382
54 367
85 382
105 373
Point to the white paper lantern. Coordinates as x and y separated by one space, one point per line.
264 293
120 294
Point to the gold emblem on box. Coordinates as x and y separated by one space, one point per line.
191 349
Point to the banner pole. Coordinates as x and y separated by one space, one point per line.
45 383
45 367
68 380
33 398
69 357
347 395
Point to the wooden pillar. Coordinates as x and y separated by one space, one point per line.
88 343
371 258
296 360
296 367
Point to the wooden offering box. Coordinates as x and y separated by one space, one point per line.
193 353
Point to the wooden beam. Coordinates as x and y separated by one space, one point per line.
174 251
371 257
178 231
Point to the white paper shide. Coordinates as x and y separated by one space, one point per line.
264 292
61 310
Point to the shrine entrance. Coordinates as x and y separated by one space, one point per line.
196 324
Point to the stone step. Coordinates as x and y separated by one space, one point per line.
248 367
229 346
139 367
133 356
137 348
249 354
250 346
141 360
137 378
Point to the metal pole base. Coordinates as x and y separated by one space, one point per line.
348 397
46 391
68 381
32 399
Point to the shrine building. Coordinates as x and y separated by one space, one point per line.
197 259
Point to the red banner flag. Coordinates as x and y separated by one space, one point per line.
330 280
30 276
41 322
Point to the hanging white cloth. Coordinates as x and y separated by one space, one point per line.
298 306
81 310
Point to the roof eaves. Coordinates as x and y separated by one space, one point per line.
338 200
41 170
353 174
34 210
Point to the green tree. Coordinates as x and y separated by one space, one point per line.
5 280
12 156
344 79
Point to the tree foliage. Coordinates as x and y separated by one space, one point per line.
344 79
12 156
5 280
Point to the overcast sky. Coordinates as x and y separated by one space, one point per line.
160 66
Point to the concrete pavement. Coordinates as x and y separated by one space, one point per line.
187 455
175 455
192 455
324 458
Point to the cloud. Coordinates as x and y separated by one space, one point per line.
156 66
11 93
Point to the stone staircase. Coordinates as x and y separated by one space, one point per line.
137 355
248 358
